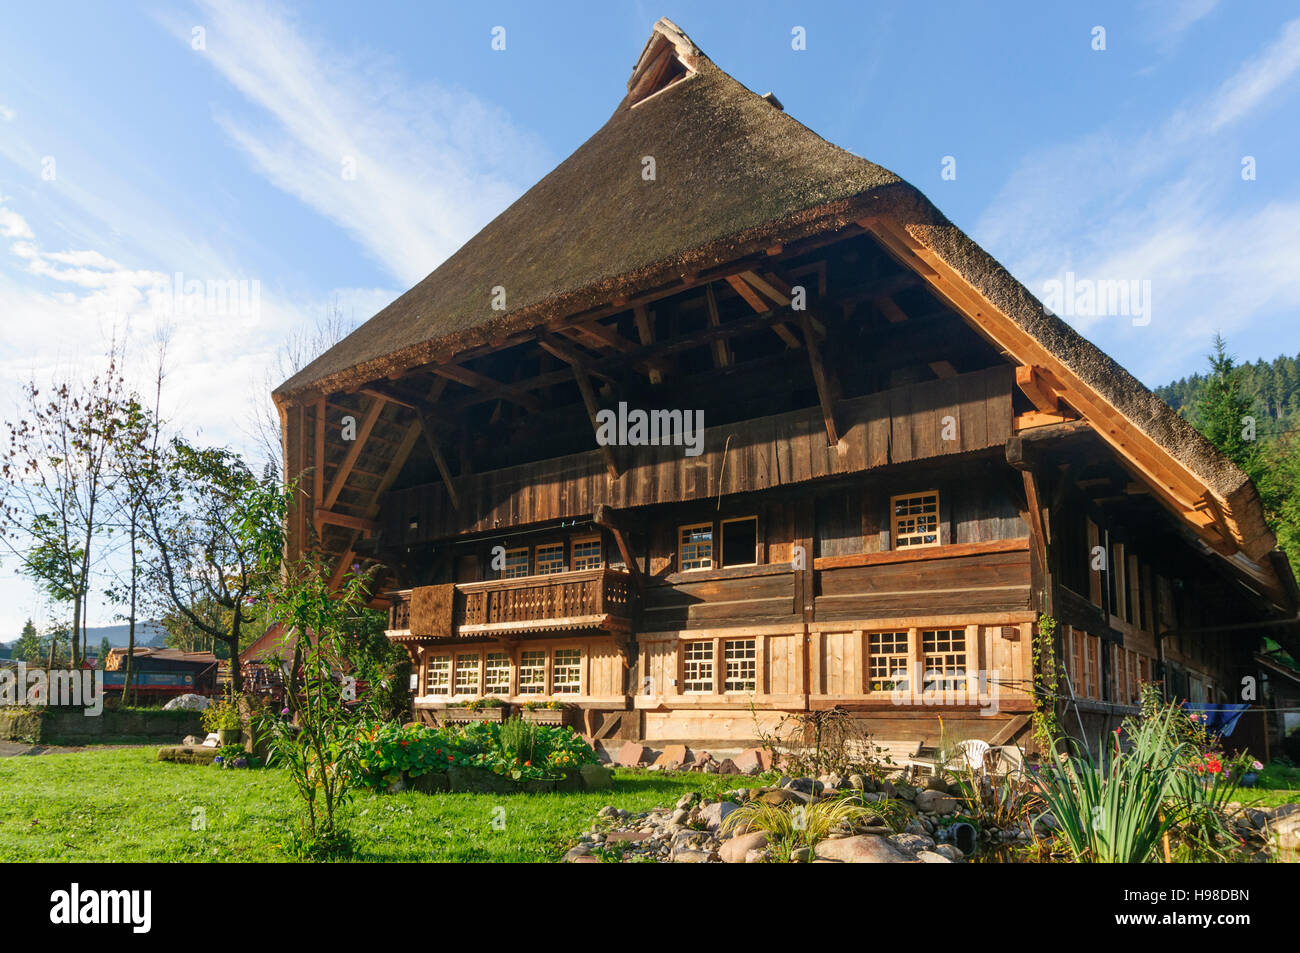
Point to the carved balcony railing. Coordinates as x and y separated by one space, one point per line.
587 599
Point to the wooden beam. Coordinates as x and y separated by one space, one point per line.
1038 386
827 386
645 330
605 516
354 452
721 352
890 309
438 459
943 369
463 375
580 375
342 519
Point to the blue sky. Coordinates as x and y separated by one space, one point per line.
127 155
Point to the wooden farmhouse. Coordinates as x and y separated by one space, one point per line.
905 461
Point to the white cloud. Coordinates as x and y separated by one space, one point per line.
432 164
1163 205
7 113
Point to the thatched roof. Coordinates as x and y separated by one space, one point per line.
734 175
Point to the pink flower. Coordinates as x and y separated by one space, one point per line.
1257 766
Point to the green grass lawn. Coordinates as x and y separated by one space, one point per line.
123 805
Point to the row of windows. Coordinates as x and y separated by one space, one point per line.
1128 669
541 672
739 667
943 660
914 522
547 558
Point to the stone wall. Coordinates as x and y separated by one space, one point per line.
51 726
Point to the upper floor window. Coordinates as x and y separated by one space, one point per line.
437 677
945 658
915 519
516 564
550 559
740 541
586 553
695 546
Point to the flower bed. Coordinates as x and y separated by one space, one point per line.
510 756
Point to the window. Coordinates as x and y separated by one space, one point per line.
1091 687
437 678
586 553
516 563
741 656
889 661
945 658
550 559
740 541
916 520
567 672
467 674
695 546
1119 674
496 674
532 673
697 669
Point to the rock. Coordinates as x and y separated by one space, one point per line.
187 703
581 850
609 810
750 761
756 857
1287 827
903 790
931 857
737 849
801 855
712 815
212 740
936 783
727 766
779 797
192 741
632 754
936 802
673 757
626 837
804 785
947 850
857 782
911 843
861 849
597 777
688 856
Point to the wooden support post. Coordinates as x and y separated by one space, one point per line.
827 386
438 459
605 516
645 330
552 346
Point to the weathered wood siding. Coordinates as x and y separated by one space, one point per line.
894 426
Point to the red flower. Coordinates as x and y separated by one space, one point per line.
1215 767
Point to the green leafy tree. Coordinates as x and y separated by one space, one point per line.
1225 410
104 648
216 534
28 646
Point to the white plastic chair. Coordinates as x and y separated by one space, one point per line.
973 751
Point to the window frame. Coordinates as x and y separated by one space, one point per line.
681 546
896 685
549 547
721 562
576 666
896 536
600 552
525 668
706 661
489 668
959 680
505 572
429 688
477 658
740 661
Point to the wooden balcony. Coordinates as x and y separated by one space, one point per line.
509 608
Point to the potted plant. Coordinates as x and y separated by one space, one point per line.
223 718
480 709
551 713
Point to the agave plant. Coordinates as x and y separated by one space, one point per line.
805 825
1118 808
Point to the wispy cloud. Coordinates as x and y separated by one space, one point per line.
410 172
1168 205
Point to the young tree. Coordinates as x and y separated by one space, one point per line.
1224 410
104 648
28 646
54 486
216 535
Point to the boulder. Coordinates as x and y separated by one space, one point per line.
779 797
192 741
727 766
947 850
673 756
936 802
687 856
712 815
736 850
597 777
1287 827
804 785
861 849
911 843
750 761
188 754
930 857
187 703
632 754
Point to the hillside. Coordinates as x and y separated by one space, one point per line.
1274 386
